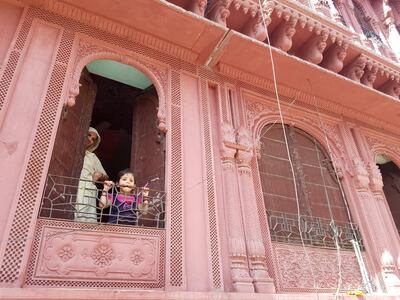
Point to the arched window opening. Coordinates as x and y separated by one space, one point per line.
391 186
121 104
366 27
323 213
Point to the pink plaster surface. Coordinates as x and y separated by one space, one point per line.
82 294
171 50
9 19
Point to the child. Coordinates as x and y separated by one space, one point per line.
123 201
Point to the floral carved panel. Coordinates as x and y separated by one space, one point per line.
295 274
106 253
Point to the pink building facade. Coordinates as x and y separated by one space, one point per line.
268 136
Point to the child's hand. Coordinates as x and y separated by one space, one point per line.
108 184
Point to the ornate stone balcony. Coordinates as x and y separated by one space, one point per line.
316 35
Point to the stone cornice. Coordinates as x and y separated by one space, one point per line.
311 19
323 104
113 27
309 16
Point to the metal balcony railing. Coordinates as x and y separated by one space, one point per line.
285 228
78 200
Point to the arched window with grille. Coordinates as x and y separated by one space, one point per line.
320 211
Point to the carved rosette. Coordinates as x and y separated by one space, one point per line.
253 110
66 255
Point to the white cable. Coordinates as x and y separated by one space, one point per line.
287 145
335 233
341 190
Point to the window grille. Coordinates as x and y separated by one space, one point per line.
144 207
324 219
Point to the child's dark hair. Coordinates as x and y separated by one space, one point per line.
123 172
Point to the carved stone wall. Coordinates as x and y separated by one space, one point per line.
295 272
82 255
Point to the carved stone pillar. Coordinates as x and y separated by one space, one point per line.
313 48
255 246
282 36
334 56
242 282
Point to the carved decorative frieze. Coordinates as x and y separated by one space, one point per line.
82 255
296 274
66 255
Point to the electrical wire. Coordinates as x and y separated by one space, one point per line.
367 287
287 146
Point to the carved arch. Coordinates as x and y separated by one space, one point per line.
380 148
89 51
335 144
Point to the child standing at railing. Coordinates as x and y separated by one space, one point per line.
123 201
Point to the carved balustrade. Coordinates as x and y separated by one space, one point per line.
319 38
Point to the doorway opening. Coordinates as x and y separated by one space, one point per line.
391 186
121 103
